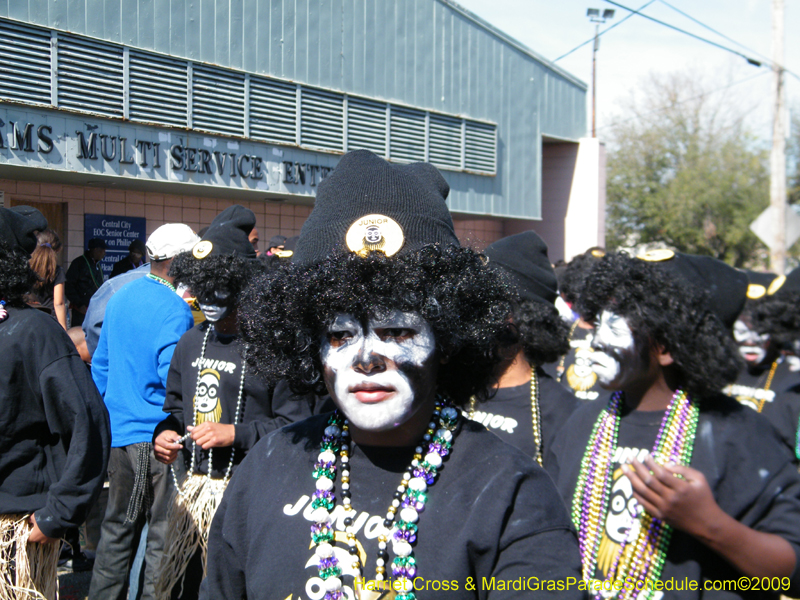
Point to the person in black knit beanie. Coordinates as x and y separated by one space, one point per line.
386 311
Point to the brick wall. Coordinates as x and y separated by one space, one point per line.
271 218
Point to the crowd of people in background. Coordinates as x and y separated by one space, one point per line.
370 405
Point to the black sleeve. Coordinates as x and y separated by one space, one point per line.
268 410
76 413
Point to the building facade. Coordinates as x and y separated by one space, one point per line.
118 116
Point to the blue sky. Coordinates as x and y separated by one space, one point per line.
637 48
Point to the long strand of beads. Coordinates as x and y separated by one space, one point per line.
409 501
333 440
643 553
236 416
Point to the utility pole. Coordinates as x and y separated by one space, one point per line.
595 17
777 159
594 78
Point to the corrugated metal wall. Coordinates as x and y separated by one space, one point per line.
426 53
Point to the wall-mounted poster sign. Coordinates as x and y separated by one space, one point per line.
117 232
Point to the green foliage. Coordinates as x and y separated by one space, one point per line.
683 170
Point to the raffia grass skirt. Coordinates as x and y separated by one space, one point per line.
188 523
28 571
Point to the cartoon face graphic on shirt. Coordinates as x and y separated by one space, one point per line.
580 376
623 509
379 373
206 400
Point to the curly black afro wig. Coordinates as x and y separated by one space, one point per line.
779 316
16 276
466 304
542 332
667 312
230 273
573 277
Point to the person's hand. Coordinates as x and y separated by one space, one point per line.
680 496
213 435
36 536
165 447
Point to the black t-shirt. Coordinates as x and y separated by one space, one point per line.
748 469
508 413
42 298
574 371
55 435
492 512
217 394
780 404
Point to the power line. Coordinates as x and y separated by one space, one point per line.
711 29
750 60
591 39
698 97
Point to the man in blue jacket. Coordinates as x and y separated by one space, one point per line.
143 322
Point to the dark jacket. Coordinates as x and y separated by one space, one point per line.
55 432
84 278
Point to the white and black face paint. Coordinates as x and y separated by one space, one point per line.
379 375
617 357
752 345
219 308
215 313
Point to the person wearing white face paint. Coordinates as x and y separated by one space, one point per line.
385 311
687 484
217 407
770 382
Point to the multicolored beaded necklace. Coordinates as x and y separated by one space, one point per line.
641 556
409 500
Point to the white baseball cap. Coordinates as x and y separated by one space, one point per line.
169 240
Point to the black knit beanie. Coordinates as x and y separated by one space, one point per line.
524 258
228 234
368 204
18 227
726 286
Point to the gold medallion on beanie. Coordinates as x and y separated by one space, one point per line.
658 255
202 249
375 233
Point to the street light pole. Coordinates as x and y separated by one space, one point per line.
595 17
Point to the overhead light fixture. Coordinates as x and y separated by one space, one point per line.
592 12
608 13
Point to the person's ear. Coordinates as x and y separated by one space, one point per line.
663 356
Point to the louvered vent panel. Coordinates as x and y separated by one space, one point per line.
218 100
407 142
24 63
89 76
444 139
157 89
366 125
481 147
321 119
273 111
